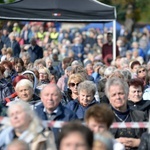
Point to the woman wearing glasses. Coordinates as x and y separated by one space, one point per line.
142 74
72 93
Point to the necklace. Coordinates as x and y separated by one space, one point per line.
120 118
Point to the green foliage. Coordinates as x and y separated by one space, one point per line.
140 9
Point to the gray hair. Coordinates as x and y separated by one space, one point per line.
116 81
25 54
108 71
35 124
50 86
88 86
104 138
24 82
25 107
127 74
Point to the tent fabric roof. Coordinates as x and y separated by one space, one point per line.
58 10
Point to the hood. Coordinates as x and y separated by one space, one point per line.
35 78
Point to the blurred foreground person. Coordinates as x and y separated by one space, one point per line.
75 136
27 127
103 141
18 145
99 118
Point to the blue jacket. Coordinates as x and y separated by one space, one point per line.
63 113
15 47
78 108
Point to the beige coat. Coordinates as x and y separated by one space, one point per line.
43 141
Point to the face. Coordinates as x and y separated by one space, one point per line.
96 126
74 141
117 97
26 60
85 98
73 85
18 67
50 97
25 93
43 76
18 118
135 93
142 73
109 38
49 63
135 67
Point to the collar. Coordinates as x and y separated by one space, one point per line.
55 111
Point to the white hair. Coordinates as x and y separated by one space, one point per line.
24 82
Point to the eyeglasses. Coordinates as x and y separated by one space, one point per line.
73 84
141 71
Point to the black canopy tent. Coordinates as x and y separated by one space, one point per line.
60 10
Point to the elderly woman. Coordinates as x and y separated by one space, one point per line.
135 100
24 125
117 91
25 92
86 92
72 92
44 77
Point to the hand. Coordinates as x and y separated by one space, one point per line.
129 142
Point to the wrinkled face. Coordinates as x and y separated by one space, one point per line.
25 93
19 118
50 97
85 98
18 68
135 93
73 85
117 97
73 141
141 73
96 126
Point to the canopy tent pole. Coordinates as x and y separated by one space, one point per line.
114 40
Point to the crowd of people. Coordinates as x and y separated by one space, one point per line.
69 75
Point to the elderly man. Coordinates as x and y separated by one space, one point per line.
25 92
117 91
51 107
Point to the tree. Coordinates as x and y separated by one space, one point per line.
129 11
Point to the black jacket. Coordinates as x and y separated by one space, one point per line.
145 142
6 89
142 105
135 116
